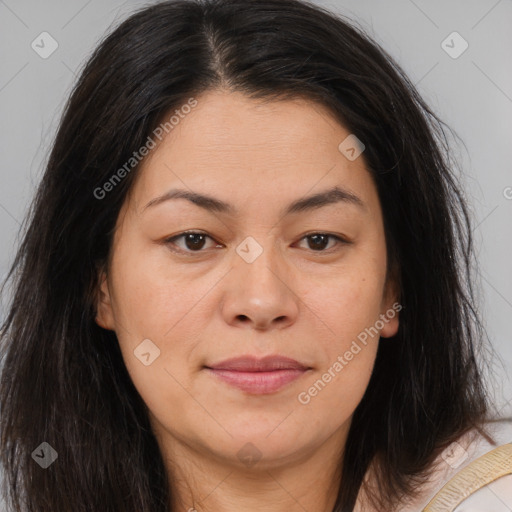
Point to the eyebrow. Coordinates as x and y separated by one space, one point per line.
312 202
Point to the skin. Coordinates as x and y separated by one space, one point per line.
294 299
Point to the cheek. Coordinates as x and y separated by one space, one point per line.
151 303
153 298
347 349
349 307
349 304
334 392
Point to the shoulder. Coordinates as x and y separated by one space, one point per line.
451 466
494 497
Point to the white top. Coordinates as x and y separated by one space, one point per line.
494 497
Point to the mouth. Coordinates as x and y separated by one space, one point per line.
258 376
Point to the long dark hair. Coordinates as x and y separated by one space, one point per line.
64 381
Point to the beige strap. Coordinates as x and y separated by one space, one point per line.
482 471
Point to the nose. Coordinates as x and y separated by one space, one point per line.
260 295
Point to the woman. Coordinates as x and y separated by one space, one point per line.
243 284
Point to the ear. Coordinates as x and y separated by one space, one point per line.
104 314
390 307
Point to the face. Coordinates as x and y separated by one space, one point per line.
258 278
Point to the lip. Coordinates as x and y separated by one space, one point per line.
258 375
255 364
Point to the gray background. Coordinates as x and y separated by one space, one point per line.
472 93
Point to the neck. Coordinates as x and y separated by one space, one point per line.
205 482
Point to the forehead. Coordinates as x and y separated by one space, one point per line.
236 123
251 148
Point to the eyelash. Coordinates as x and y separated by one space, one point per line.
170 241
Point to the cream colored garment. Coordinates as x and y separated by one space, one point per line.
495 497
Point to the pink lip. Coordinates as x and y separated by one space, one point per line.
258 376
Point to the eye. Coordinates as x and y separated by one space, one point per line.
194 241
318 241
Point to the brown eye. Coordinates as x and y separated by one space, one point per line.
193 241
319 241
